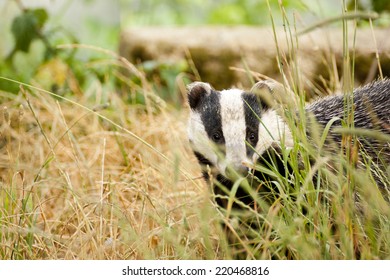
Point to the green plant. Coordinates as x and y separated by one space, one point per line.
82 178
324 207
36 56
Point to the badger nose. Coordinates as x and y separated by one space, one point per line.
234 172
242 169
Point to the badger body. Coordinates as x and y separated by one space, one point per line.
230 130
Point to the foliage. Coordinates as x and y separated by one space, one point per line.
35 56
100 178
27 27
200 12
379 6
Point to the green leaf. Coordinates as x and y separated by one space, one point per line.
41 17
228 14
381 5
26 27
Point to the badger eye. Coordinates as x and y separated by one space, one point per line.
252 138
217 136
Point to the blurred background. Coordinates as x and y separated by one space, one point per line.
32 31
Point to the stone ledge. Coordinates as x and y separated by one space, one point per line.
215 49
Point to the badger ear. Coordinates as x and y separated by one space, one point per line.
196 91
264 85
270 93
263 91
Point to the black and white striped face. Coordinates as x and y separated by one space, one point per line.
223 127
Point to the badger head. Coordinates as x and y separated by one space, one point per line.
230 129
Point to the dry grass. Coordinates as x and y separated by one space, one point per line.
120 182
86 181
74 186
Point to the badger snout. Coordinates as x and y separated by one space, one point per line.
234 171
236 160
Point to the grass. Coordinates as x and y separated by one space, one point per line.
89 180
325 207
75 185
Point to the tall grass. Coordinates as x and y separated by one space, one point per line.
85 180
88 180
325 207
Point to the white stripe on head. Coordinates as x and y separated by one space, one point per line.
198 137
233 127
272 131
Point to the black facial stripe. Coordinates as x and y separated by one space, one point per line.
252 114
202 160
210 112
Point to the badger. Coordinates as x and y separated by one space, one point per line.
232 130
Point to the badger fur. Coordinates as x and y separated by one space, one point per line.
230 130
